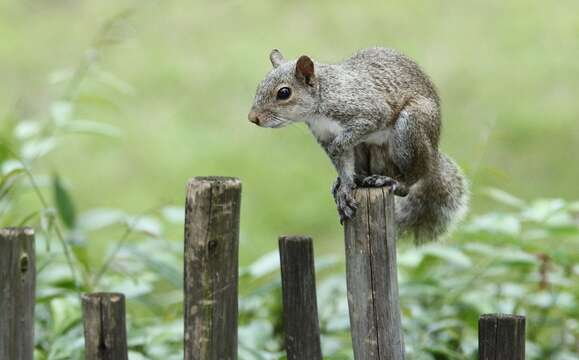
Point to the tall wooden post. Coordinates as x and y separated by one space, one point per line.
300 309
372 277
501 336
105 332
211 268
17 291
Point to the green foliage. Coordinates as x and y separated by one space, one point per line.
516 260
64 204
443 289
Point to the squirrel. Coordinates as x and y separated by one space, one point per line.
377 97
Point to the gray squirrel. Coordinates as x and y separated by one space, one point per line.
380 97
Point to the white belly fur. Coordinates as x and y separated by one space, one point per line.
325 128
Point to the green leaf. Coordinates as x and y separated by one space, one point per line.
264 265
11 171
541 210
9 166
77 243
515 256
174 214
496 223
96 219
449 254
91 128
27 129
64 204
165 270
504 197
61 112
34 149
145 224
64 314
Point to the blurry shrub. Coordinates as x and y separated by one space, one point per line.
519 260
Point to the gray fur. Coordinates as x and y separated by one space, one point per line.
377 96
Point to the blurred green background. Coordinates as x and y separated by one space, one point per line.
507 73
107 108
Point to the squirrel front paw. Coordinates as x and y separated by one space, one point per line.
392 185
344 200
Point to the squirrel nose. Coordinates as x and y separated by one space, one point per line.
253 117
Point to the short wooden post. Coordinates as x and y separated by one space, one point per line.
105 333
300 310
17 290
372 278
501 337
211 268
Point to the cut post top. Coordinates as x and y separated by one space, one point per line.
10 232
112 296
295 238
502 317
225 180
374 191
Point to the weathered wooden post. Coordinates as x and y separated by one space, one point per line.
501 337
105 332
17 291
372 277
211 268
300 310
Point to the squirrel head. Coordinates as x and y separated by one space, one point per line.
287 94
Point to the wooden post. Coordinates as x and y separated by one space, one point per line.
300 310
105 333
501 337
372 277
211 268
17 291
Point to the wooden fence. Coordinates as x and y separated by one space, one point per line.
211 296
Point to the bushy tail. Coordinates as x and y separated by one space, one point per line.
434 204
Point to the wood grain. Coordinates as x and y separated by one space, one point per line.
300 309
211 268
501 337
372 277
105 333
17 292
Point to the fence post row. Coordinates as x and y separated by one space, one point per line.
105 332
211 268
17 292
211 282
300 310
372 277
501 336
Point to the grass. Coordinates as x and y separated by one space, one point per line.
185 75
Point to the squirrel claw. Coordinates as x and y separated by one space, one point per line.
346 214
393 186
345 202
335 187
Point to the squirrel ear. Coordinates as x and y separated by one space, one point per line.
305 69
276 58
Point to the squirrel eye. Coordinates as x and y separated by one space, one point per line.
284 93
